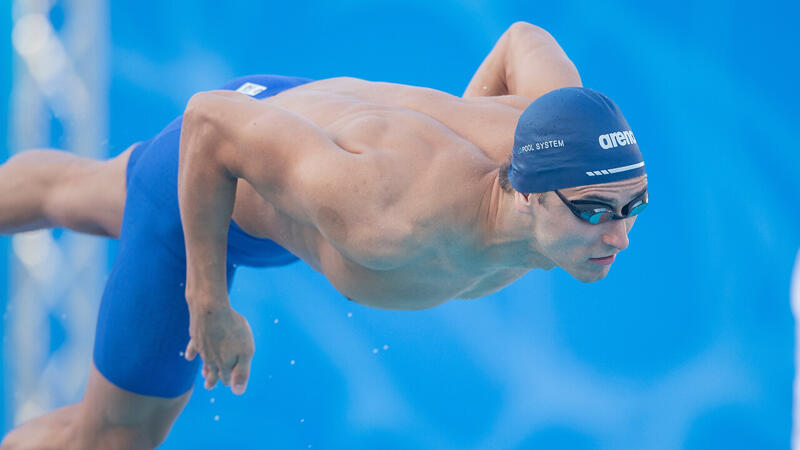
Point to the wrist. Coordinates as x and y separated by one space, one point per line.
206 301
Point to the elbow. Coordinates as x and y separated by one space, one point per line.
195 104
537 50
197 128
522 27
196 111
201 147
204 111
525 39
524 33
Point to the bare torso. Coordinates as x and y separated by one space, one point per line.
445 149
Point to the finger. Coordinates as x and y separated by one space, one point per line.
225 373
211 380
209 370
241 373
190 352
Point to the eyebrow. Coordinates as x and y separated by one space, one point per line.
607 200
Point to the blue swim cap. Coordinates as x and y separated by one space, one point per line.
572 137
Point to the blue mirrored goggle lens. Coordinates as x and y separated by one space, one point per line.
599 217
637 209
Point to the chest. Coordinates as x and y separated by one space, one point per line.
445 271
430 280
440 143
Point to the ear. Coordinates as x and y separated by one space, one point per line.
523 202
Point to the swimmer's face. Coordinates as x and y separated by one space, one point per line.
570 242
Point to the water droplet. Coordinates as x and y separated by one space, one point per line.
374 350
302 420
385 347
291 362
349 314
180 353
275 321
234 265
212 400
181 285
216 418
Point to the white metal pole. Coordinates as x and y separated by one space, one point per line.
60 76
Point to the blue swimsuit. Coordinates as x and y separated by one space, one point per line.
143 323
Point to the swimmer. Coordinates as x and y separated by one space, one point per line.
403 197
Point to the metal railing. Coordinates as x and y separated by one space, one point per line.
59 99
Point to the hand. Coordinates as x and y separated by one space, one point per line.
224 340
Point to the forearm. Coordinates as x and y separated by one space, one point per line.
206 194
490 78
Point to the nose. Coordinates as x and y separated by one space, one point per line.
616 235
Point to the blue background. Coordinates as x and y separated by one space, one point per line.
688 343
5 88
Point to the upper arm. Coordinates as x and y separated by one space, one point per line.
291 162
535 63
256 140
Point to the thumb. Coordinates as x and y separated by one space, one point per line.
191 352
240 374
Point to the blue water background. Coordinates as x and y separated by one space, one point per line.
687 344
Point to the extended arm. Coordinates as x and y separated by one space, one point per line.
525 61
226 136
285 157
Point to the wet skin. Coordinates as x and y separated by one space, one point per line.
569 242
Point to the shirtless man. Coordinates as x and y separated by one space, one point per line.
403 197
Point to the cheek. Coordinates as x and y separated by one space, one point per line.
581 240
565 237
570 237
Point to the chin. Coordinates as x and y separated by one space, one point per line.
586 276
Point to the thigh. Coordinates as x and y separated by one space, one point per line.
143 321
140 379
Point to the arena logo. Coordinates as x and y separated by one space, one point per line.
541 145
617 139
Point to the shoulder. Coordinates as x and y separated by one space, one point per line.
516 102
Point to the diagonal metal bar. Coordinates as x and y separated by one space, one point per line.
56 278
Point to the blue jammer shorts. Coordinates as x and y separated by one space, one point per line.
143 323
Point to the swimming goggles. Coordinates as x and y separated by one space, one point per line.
595 213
